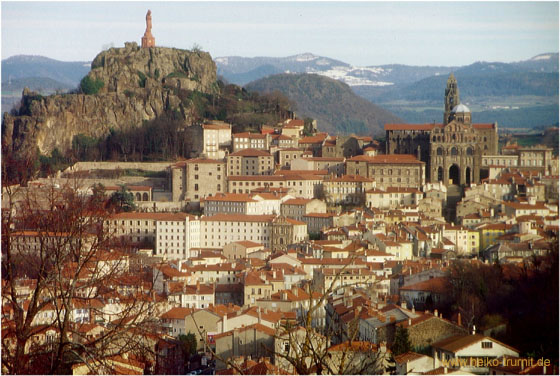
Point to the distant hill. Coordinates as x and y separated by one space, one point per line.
241 70
24 66
12 89
337 109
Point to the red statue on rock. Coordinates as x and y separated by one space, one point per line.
148 39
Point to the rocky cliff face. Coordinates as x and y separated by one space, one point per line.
138 84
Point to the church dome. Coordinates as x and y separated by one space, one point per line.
460 108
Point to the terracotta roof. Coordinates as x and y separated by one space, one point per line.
438 285
458 342
483 126
352 179
294 123
408 356
216 126
250 153
177 313
238 218
233 197
249 135
297 201
151 216
259 327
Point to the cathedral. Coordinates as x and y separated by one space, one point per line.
452 150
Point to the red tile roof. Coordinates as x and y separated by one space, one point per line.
250 153
238 218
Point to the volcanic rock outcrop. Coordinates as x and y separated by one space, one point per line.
134 84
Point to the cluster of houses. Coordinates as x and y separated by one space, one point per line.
288 233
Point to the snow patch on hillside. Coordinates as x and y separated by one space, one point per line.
542 57
305 57
355 76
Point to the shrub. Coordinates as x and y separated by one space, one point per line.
142 79
90 86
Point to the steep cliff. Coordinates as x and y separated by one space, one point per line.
137 84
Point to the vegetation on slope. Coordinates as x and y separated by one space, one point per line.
163 138
332 103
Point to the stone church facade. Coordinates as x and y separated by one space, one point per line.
452 150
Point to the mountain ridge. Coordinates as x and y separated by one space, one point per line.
337 109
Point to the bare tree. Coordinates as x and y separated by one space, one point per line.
61 295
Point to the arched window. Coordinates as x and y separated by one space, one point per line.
138 197
470 151
454 137
434 138
439 151
453 150
145 197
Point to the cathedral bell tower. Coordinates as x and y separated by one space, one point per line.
451 98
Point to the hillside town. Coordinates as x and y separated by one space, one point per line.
287 250
268 240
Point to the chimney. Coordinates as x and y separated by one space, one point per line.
295 290
473 330
274 274
409 321
284 295
413 310
441 315
436 313
403 304
444 370
459 319
259 312
392 318
224 323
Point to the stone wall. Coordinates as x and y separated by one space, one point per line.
146 166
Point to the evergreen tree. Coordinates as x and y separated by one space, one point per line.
123 200
402 342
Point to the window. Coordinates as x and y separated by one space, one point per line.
196 187
486 345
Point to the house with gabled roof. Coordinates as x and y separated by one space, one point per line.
469 347
411 363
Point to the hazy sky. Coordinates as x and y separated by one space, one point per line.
359 33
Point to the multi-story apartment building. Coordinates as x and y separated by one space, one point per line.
247 140
216 137
394 170
535 158
197 178
347 189
334 165
250 162
172 234
243 203
283 141
285 156
299 185
222 229
298 207
392 197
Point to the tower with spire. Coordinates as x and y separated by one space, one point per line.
451 98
